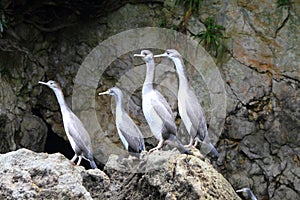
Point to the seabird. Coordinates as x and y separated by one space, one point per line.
128 131
190 110
157 111
76 133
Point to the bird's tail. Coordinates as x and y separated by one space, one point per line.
93 164
175 142
213 150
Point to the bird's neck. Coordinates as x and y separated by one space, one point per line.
181 71
148 84
119 104
61 100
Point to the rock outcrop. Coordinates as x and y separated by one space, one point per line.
29 175
168 175
161 175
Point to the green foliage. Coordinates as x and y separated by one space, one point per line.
2 23
212 36
281 3
162 23
193 4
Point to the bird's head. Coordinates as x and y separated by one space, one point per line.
146 55
114 91
51 84
170 53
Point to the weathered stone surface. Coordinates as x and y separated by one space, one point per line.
9 124
34 133
263 94
238 125
29 175
259 146
97 183
168 175
246 83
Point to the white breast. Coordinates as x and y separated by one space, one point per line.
154 122
183 112
124 141
66 122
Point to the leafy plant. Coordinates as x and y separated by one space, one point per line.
2 23
283 3
162 23
212 36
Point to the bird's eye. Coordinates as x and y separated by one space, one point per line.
168 52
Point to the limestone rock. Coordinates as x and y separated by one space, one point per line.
34 133
29 175
9 124
168 175
246 83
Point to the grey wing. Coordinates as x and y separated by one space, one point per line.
164 112
164 102
196 114
80 135
131 133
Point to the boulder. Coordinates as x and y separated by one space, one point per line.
29 175
167 175
163 174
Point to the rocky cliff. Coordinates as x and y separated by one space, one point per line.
168 175
259 140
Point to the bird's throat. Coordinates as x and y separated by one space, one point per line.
61 100
148 84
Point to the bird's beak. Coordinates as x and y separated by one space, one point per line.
102 93
139 55
41 82
160 55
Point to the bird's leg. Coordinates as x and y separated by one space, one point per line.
158 147
74 158
196 142
191 142
79 160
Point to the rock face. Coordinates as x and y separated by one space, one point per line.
259 144
29 175
168 175
263 79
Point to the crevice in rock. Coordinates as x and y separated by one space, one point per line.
237 108
251 67
283 23
291 78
